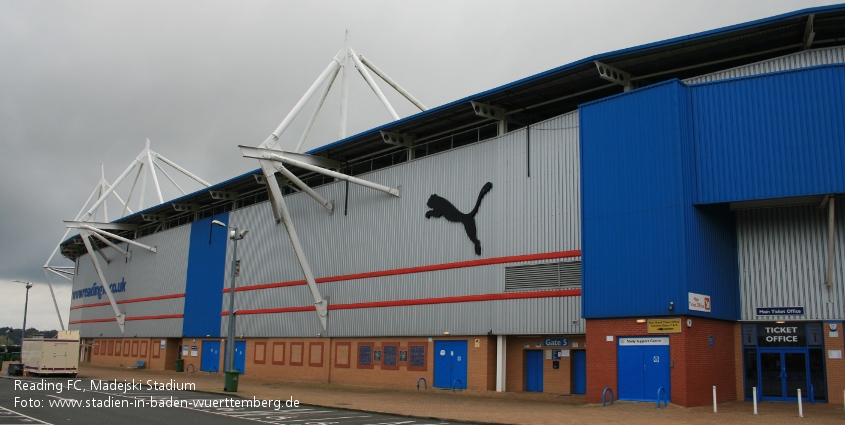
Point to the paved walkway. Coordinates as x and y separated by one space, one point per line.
486 407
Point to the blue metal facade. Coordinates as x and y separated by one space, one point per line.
770 136
633 202
659 165
204 285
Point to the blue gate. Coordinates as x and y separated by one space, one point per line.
579 371
210 361
643 364
450 364
534 370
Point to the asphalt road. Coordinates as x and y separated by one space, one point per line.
71 401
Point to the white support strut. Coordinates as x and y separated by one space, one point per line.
120 238
392 83
166 174
53 294
274 137
132 190
265 154
111 244
51 270
363 70
280 211
305 188
109 191
272 187
344 88
120 317
831 236
181 170
316 112
103 185
152 168
319 303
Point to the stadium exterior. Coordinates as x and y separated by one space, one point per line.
657 220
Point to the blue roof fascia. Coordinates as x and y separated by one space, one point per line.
602 56
188 196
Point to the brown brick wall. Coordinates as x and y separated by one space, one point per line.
555 381
835 368
697 366
112 352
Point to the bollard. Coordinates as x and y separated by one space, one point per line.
800 408
754 394
714 399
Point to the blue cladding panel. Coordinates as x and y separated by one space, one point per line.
204 286
712 267
771 136
633 203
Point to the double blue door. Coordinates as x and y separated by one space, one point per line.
534 370
643 370
450 364
210 361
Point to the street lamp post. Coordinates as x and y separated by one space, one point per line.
230 342
25 307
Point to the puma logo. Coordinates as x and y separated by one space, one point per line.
440 207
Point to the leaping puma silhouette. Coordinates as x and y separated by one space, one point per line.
440 207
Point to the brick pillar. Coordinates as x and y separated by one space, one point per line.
739 373
835 368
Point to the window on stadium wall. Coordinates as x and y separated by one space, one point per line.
779 358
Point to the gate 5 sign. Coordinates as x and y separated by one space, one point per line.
556 342
662 326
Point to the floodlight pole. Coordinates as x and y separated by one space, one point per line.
230 342
25 308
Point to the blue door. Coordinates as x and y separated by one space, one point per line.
534 370
210 361
579 371
450 364
643 367
240 356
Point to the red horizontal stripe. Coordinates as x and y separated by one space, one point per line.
419 269
163 316
132 300
272 310
129 319
423 301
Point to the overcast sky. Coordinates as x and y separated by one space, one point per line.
88 81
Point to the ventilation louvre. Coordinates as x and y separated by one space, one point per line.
547 276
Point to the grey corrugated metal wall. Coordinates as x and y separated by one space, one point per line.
146 275
796 60
521 215
783 262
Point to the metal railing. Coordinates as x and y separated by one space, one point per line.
425 384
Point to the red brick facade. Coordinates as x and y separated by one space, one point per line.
835 368
697 366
